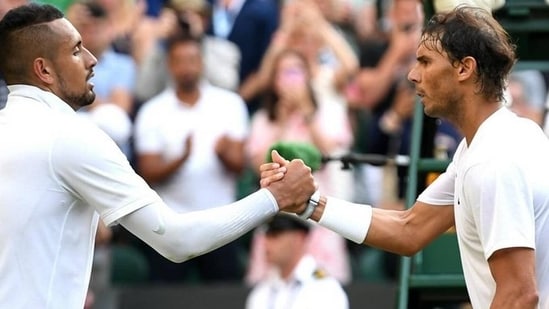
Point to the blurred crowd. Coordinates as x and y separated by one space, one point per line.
195 92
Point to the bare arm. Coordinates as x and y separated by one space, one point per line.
403 232
513 270
231 153
376 82
123 98
154 168
348 61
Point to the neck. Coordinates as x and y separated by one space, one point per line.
472 119
287 270
189 97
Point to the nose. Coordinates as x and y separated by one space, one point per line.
91 60
413 75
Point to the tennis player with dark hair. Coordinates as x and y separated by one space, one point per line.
60 175
496 189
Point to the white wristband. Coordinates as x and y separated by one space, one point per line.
349 220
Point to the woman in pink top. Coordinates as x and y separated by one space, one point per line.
291 112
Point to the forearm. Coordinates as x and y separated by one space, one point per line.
182 236
401 232
123 98
233 158
516 298
258 81
379 80
348 61
361 224
159 171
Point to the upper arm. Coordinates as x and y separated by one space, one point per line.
513 270
99 174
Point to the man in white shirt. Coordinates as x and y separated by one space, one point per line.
189 142
297 280
60 174
495 191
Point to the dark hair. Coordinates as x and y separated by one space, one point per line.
181 36
286 222
270 97
473 32
24 33
95 9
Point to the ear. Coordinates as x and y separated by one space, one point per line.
466 68
43 69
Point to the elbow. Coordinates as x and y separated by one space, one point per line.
530 299
180 249
175 251
238 167
146 174
410 250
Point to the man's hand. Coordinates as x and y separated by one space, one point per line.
291 183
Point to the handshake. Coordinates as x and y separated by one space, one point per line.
291 182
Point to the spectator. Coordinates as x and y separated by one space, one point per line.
527 94
249 24
292 113
190 147
297 280
221 57
330 58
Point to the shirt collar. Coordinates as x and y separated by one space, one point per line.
304 269
234 7
302 272
37 94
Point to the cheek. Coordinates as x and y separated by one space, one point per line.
278 84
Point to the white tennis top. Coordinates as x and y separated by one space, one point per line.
57 173
499 186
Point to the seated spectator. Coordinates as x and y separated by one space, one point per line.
297 280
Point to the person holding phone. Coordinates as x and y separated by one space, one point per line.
292 113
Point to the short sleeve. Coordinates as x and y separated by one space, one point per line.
92 167
441 191
146 137
239 126
502 205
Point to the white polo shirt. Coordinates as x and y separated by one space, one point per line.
57 172
499 186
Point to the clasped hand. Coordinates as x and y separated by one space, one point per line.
291 182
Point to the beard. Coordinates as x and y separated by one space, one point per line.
76 99
187 84
448 108
80 100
